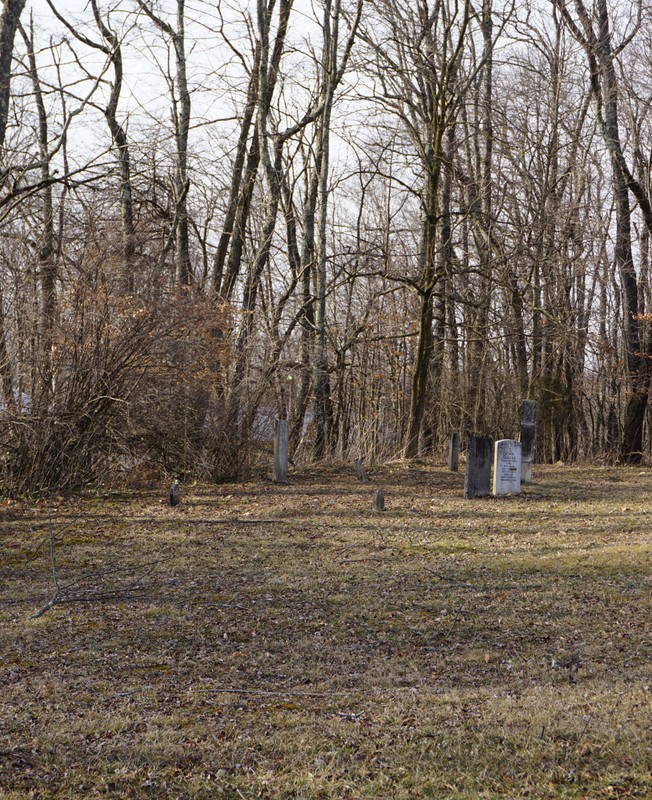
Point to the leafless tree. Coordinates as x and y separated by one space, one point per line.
593 31
181 108
9 21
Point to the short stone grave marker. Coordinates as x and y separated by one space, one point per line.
453 451
362 472
507 467
478 467
281 451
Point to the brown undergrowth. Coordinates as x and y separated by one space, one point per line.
265 641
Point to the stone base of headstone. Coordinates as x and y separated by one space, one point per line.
478 467
379 500
507 467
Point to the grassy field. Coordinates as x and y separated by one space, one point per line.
265 641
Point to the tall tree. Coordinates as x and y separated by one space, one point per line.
228 258
46 250
483 134
181 107
416 53
9 20
333 69
111 46
593 31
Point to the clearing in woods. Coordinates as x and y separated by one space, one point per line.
288 642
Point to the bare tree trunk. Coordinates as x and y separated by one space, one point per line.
308 321
632 442
47 268
424 93
9 20
329 55
272 161
182 128
111 48
238 179
419 383
332 74
6 372
243 183
181 106
604 85
121 143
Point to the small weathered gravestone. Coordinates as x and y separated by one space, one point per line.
362 472
453 451
281 451
528 424
175 493
507 467
379 500
478 467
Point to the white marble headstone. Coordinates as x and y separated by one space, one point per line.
507 467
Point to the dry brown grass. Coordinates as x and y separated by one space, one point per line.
287 642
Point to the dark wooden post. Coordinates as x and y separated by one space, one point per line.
281 451
453 451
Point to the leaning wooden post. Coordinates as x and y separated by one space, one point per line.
453 451
528 425
281 451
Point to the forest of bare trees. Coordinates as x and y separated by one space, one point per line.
382 220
